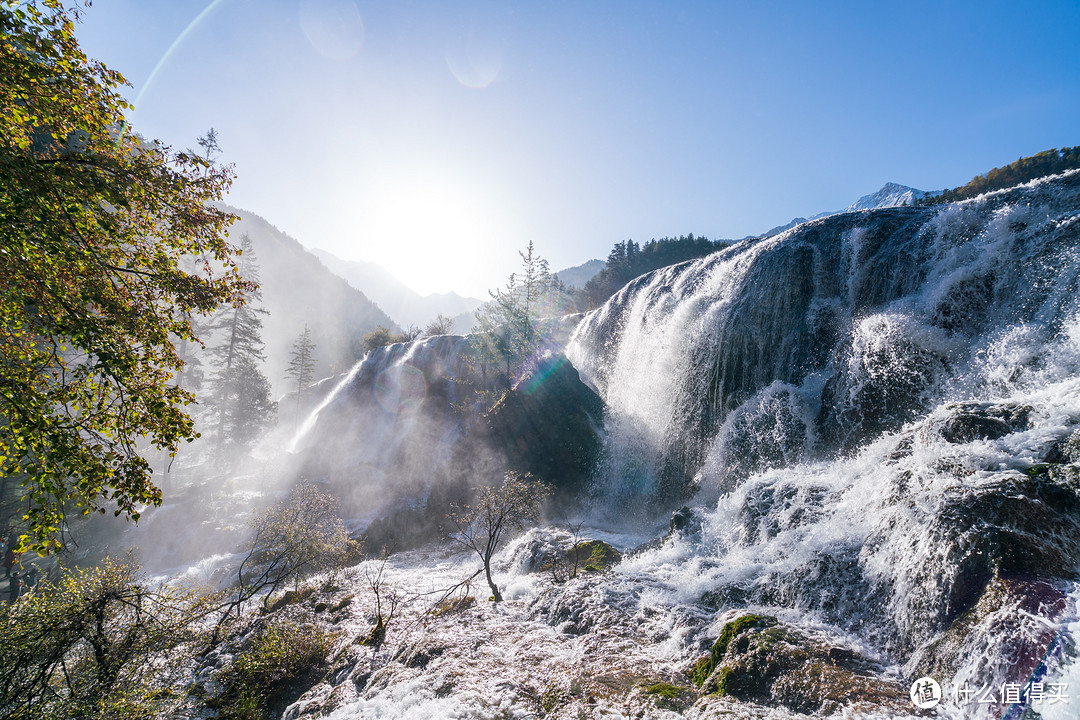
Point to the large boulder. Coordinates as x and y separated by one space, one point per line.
757 659
548 424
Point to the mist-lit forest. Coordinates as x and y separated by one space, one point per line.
830 470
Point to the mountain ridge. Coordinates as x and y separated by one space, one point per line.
400 302
291 278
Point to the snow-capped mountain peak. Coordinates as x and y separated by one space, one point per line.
890 195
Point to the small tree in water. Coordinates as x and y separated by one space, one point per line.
497 511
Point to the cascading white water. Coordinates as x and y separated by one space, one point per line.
809 383
380 436
877 418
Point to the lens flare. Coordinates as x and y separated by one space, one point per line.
172 49
400 388
333 27
474 62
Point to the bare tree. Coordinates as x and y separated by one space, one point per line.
410 333
497 511
387 602
295 538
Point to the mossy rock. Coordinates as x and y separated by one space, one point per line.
342 604
705 666
292 597
757 660
593 555
668 697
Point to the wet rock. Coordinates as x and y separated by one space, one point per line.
419 655
684 521
983 421
1017 525
311 704
1006 632
1065 451
549 425
756 659
541 550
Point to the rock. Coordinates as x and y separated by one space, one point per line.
684 521
1019 525
983 421
311 704
756 659
1006 631
1065 451
549 425
419 655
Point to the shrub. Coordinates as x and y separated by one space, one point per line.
292 540
99 643
272 669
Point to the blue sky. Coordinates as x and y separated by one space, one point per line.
437 139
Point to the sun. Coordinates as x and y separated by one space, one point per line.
429 230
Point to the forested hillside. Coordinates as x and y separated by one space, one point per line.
1048 162
628 259
299 290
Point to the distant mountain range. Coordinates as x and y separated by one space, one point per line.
399 301
890 195
342 300
298 289
578 275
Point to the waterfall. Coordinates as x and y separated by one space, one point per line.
381 436
825 336
878 415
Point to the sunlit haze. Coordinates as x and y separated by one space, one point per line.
437 139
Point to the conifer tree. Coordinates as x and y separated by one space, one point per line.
506 326
302 365
239 401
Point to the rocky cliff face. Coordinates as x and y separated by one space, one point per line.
411 428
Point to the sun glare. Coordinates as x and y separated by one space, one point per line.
422 228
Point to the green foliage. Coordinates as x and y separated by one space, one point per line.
97 644
664 690
593 555
94 226
271 668
553 698
1048 162
382 336
507 332
627 260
